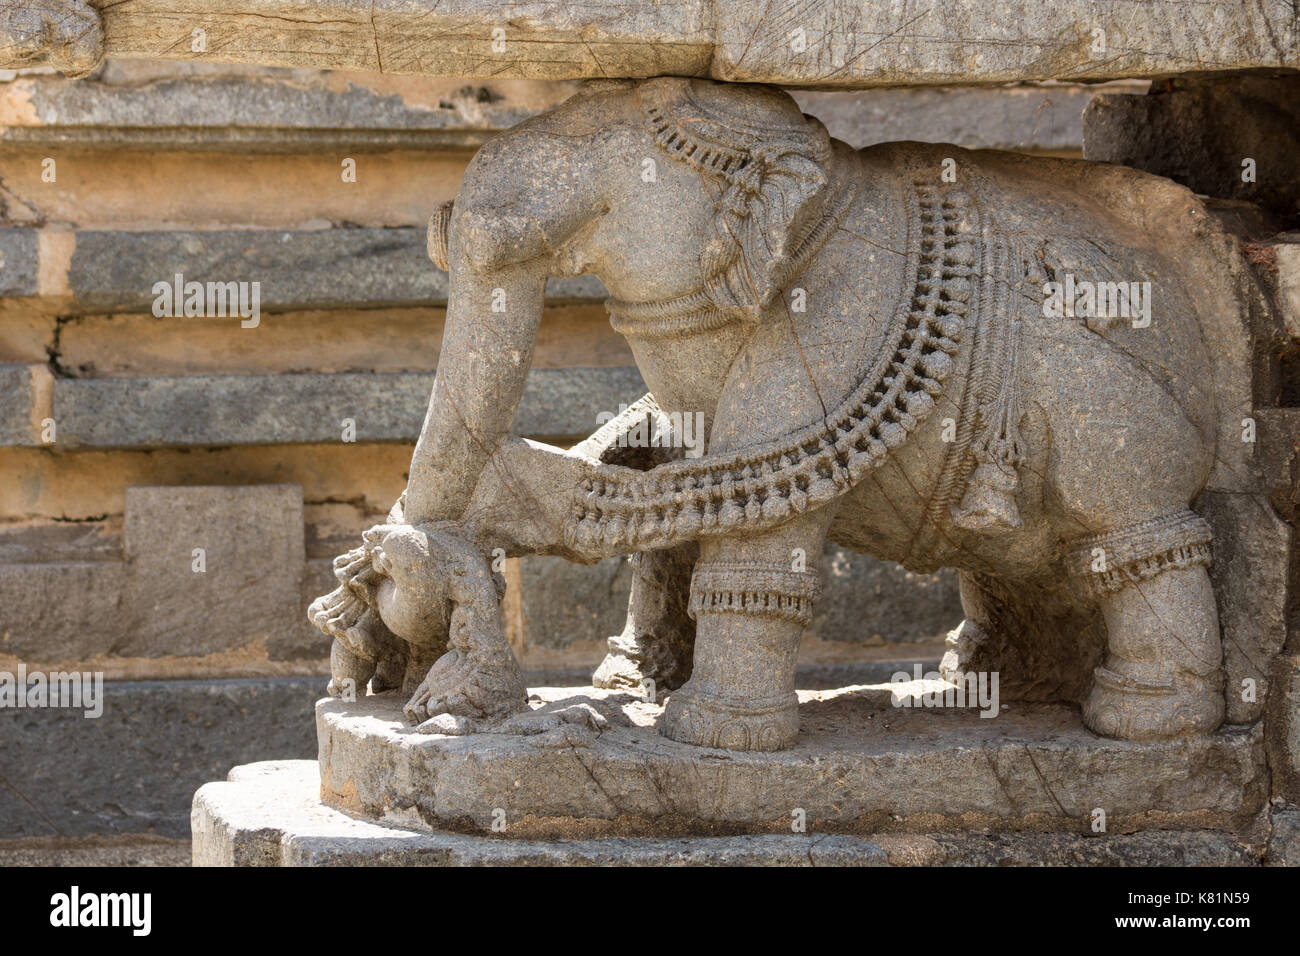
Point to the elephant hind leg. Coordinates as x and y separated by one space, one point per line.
658 641
1162 676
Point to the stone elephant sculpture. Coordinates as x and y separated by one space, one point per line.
935 356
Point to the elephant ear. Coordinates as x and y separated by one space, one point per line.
763 217
770 161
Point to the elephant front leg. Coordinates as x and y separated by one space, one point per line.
1162 676
752 600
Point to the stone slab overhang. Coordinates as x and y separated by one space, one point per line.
820 43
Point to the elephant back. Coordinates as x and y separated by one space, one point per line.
1100 223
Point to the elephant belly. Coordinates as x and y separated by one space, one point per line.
900 514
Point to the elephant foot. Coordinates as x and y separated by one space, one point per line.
693 716
463 687
644 663
619 672
1130 709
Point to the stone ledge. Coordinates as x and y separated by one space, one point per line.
274 115
838 44
251 114
303 269
270 814
304 408
860 765
114 271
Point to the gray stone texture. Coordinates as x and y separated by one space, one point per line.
859 764
256 113
18 262
1284 837
132 850
1198 132
68 611
68 592
302 269
842 44
278 113
17 398
134 770
1252 555
1282 725
251 570
270 814
308 407
1046 119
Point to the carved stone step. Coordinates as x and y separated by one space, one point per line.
270 814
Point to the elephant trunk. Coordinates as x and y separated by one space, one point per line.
487 348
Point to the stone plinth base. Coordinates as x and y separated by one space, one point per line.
270 814
860 766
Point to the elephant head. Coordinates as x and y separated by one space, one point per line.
687 193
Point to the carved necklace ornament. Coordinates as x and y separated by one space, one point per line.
759 488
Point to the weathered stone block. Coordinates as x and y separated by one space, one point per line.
270 814
120 109
62 612
1282 724
304 269
211 569
19 262
135 769
1252 549
835 44
16 400
1030 118
278 409
850 44
1284 837
250 113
